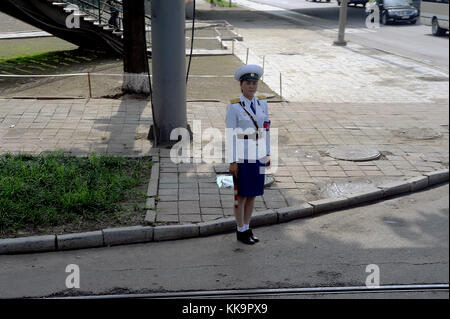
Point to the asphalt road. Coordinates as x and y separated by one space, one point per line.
406 237
412 41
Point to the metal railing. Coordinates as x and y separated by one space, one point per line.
102 12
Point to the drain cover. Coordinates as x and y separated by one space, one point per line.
417 133
353 153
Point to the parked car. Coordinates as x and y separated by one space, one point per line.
434 13
355 2
392 11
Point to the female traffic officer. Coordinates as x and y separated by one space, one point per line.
248 147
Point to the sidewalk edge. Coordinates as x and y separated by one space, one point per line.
140 233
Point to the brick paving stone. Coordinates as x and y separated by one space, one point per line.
336 174
275 204
210 203
168 191
184 210
188 194
206 218
211 211
167 205
284 179
226 191
374 173
228 212
190 185
190 218
260 204
210 191
167 175
167 180
370 168
285 185
161 217
207 197
227 203
167 198
354 173
318 173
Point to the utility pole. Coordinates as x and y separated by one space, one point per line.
168 69
135 63
342 22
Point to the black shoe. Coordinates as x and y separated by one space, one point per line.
245 237
255 239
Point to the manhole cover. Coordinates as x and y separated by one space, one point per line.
353 153
417 133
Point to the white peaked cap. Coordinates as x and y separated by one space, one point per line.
248 69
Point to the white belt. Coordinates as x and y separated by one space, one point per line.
253 136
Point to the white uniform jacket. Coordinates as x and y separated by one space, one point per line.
241 140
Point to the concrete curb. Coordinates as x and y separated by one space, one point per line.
152 190
139 234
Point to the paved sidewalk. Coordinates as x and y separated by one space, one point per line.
188 193
392 105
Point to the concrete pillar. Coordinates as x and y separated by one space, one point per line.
168 69
342 22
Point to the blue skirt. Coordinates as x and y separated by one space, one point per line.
251 178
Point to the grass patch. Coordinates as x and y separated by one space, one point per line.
58 189
13 48
44 59
222 3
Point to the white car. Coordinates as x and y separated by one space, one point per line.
435 14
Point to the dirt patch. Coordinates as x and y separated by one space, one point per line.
107 79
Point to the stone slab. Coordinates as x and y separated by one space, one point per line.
395 188
293 212
418 183
217 226
437 177
150 203
175 232
28 244
365 197
328 204
127 235
80 240
150 217
265 217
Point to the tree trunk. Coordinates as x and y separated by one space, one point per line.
135 61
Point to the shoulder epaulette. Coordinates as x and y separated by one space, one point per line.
262 97
233 101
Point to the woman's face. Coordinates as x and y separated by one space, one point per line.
249 88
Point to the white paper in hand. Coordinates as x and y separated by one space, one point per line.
224 181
